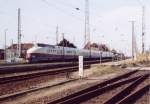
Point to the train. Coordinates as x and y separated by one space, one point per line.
45 52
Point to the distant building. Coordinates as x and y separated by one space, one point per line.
12 50
1 54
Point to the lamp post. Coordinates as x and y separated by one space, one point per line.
100 52
5 57
63 46
100 57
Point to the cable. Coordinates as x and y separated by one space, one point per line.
50 4
66 4
74 7
139 2
62 11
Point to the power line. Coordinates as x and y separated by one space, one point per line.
67 13
74 7
66 4
139 2
59 9
69 4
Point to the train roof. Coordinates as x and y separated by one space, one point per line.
44 45
51 46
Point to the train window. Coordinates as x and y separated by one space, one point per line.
68 51
44 45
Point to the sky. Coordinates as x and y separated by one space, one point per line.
109 21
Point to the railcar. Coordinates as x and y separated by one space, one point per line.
44 52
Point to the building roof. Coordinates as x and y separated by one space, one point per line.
24 46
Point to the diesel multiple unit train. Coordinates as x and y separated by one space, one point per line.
44 52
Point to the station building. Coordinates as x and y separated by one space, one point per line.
12 50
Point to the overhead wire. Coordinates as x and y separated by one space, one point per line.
140 2
67 13
75 7
66 4
59 9
82 11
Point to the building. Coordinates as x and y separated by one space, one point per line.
12 50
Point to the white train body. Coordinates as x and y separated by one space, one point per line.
43 52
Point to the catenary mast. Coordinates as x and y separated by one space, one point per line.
143 28
87 24
19 35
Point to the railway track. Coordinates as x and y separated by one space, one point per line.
34 74
38 71
127 90
135 96
98 90
24 92
52 62
20 93
41 66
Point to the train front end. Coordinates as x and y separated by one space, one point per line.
32 54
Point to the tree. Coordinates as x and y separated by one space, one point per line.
66 43
96 46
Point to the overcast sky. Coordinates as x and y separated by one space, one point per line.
109 21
